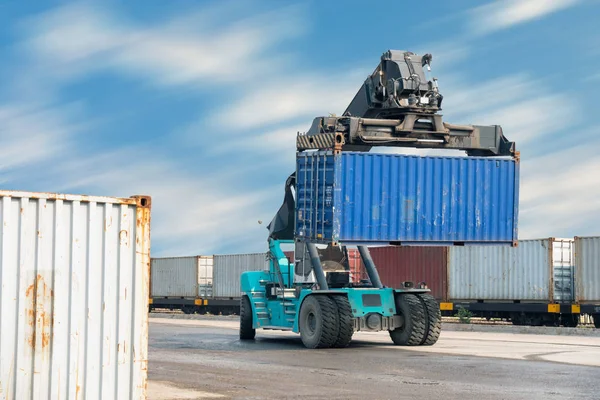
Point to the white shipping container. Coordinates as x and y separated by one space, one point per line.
205 270
178 277
587 269
174 277
563 269
205 276
74 275
501 273
228 269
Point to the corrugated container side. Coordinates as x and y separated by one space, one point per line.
587 269
382 198
415 264
228 269
174 277
357 268
501 273
74 274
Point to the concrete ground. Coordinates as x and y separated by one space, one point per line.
203 359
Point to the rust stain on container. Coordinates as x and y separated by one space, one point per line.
107 223
39 315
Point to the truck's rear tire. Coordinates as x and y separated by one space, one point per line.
433 322
247 332
318 322
346 327
412 332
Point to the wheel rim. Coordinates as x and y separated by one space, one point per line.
311 320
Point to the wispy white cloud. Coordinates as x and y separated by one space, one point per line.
191 214
289 97
593 78
33 133
199 213
518 103
192 49
277 145
560 192
502 14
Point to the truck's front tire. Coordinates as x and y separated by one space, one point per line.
247 332
318 322
412 332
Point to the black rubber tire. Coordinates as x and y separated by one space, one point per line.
247 332
318 322
433 322
346 326
597 320
412 333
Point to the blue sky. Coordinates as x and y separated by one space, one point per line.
197 103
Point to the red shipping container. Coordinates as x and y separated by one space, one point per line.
357 269
416 264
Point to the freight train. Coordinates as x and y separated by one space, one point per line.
547 281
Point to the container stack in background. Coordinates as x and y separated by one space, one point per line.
201 283
546 276
535 270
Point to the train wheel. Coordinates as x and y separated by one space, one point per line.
570 320
187 309
597 320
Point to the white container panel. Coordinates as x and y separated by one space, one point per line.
205 270
74 276
587 269
228 269
174 277
563 269
501 273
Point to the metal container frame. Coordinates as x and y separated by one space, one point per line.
587 269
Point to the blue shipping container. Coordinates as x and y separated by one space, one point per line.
369 198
